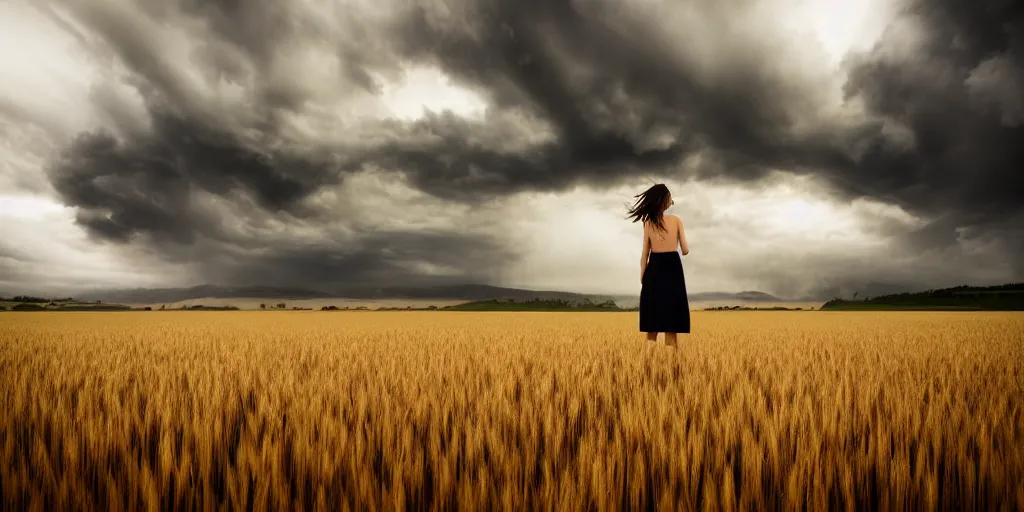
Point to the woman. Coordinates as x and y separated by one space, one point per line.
663 303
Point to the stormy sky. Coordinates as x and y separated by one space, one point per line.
813 147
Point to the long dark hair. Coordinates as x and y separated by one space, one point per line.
649 205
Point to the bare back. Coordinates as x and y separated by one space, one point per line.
668 239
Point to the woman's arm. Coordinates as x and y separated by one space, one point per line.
682 239
645 253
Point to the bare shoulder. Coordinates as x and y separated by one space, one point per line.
677 219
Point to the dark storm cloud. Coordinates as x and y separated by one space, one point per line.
521 55
958 92
959 97
621 96
146 184
620 90
638 103
955 83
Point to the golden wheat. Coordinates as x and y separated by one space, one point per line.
524 411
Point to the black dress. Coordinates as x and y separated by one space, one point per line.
663 303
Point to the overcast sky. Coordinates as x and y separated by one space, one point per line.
813 147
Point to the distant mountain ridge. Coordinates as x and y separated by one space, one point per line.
468 292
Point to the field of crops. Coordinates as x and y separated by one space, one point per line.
524 411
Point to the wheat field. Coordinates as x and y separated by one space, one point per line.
510 411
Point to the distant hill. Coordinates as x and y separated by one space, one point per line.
467 292
749 296
1006 297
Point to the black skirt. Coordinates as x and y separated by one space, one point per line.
663 303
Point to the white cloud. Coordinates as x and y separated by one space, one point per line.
47 74
424 89
41 251
840 27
